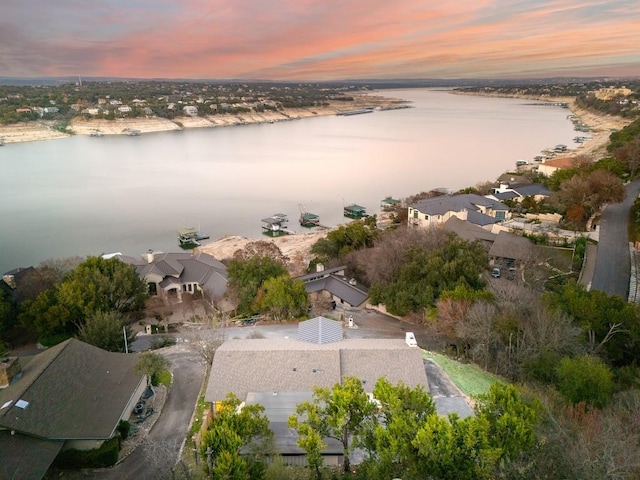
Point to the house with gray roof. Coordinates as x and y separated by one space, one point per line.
510 250
470 232
283 372
173 274
517 192
482 211
72 395
344 290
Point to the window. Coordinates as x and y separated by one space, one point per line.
501 214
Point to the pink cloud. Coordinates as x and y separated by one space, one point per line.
313 39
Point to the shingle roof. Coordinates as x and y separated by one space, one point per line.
26 457
179 268
74 391
263 365
508 245
353 294
468 231
456 203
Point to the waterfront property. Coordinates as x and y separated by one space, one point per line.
171 275
355 211
517 192
482 211
71 396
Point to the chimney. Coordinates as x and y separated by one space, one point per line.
9 368
150 256
319 267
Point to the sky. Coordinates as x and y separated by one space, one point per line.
319 40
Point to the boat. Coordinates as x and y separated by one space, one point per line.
275 225
96 133
190 237
355 211
307 219
387 204
355 112
132 132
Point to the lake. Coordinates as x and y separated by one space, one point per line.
89 196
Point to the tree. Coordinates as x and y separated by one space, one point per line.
477 447
247 276
233 428
427 273
309 439
585 379
151 364
100 284
105 330
583 195
388 436
282 297
339 413
338 243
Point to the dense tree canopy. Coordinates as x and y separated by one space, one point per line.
234 427
282 298
95 285
247 276
339 413
338 243
106 330
425 274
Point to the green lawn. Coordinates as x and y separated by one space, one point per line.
467 377
164 378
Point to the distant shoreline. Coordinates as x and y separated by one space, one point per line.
44 130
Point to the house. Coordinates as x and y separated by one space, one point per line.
470 232
509 250
124 109
344 291
476 209
517 192
173 274
549 167
190 110
280 373
72 395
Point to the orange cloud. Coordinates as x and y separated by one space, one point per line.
318 40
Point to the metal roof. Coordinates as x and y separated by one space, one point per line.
320 330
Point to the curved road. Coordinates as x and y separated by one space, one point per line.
613 264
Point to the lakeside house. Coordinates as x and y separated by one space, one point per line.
549 167
482 211
171 275
70 396
517 192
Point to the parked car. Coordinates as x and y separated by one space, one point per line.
495 273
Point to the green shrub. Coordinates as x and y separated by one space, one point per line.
124 428
52 339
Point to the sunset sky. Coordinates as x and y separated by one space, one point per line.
319 39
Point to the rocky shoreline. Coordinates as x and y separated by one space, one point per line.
46 130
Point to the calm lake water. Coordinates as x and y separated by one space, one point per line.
89 196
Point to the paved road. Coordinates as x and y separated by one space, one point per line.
613 265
